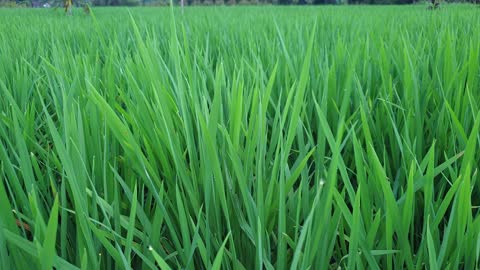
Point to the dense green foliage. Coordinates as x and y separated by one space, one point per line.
240 138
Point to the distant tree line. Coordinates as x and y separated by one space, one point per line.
225 2
262 2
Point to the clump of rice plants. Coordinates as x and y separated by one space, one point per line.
240 138
434 4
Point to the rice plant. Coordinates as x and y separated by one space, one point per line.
240 138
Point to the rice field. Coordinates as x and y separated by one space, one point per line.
240 138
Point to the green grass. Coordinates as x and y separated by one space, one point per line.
240 138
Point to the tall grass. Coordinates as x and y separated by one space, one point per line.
240 138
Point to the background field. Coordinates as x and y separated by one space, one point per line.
240 138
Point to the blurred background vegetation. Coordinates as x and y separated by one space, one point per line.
50 3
